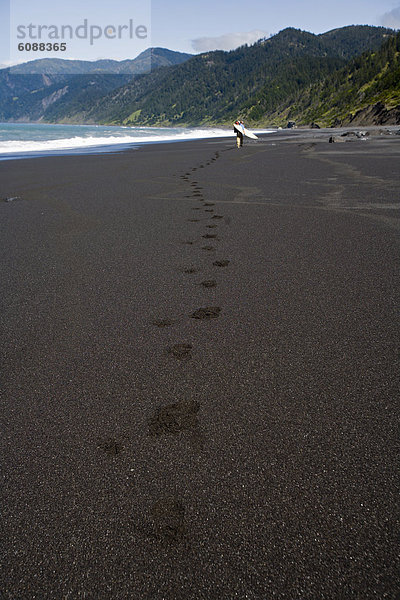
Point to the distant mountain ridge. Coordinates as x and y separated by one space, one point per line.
365 91
293 74
150 59
29 90
216 87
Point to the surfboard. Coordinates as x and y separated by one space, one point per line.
245 131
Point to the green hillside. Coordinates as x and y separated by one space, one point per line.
344 75
370 80
30 91
216 87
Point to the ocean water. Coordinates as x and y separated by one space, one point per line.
20 140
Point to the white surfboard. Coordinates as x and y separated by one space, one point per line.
245 131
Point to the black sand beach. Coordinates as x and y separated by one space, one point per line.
154 450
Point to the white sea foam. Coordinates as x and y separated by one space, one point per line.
137 136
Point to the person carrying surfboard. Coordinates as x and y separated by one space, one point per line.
241 131
238 127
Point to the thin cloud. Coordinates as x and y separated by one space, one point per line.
229 41
11 63
392 18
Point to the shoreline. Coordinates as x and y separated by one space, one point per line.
200 370
99 141
138 144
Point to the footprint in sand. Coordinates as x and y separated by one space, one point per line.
209 312
111 447
163 323
174 418
221 263
191 270
209 283
180 351
168 515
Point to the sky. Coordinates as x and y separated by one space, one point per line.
235 19
183 25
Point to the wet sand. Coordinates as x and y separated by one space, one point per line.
200 369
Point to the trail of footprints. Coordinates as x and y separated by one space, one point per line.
168 513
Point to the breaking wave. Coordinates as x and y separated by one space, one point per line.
41 139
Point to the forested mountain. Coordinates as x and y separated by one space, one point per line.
292 75
216 87
355 39
150 59
28 91
212 87
367 89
